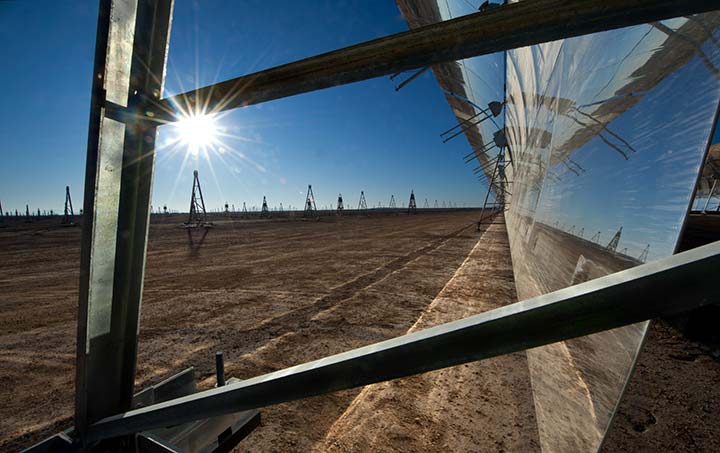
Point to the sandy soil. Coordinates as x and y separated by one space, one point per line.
672 402
270 294
275 293
481 406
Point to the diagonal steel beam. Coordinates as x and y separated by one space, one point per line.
678 283
502 28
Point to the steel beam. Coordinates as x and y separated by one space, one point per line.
508 27
129 71
671 285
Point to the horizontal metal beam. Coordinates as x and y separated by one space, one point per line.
502 28
664 287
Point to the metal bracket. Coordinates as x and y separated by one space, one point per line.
210 435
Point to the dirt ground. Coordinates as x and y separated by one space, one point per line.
275 293
672 401
269 293
480 406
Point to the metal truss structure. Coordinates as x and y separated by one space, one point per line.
264 211
68 212
613 244
198 215
412 205
644 254
310 208
362 204
497 182
126 110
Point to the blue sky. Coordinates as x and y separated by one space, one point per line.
363 136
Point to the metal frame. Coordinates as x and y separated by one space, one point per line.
498 182
118 183
665 287
494 109
126 109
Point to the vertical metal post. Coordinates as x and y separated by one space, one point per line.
220 368
129 70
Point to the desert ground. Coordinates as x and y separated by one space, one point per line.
273 293
268 293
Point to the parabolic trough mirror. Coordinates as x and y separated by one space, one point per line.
607 133
303 253
630 113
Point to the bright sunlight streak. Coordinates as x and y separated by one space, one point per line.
197 132
198 135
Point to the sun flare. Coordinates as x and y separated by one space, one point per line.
197 132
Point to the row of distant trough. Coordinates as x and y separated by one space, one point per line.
199 215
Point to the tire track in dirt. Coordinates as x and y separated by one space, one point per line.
481 406
382 310
188 314
269 237
296 319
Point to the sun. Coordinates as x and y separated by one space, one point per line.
198 132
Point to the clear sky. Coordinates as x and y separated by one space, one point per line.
363 136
